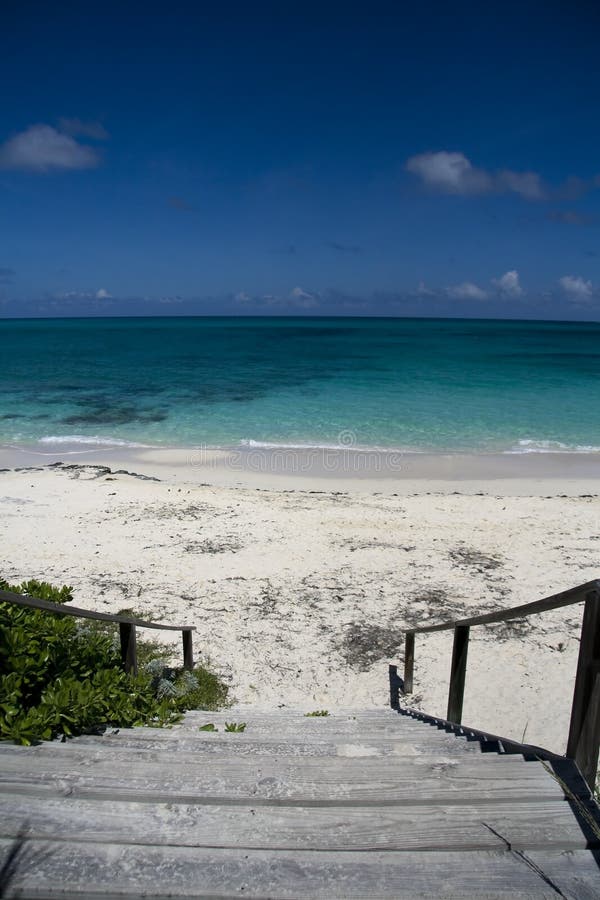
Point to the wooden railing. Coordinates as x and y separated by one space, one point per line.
584 730
127 626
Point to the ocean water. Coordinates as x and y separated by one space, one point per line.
408 384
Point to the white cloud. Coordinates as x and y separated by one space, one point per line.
575 287
527 184
242 297
41 148
94 130
103 294
453 173
303 298
467 291
508 284
424 291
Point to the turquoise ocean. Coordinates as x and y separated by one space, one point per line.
407 384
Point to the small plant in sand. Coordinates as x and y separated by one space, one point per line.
229 726
316 714
61 676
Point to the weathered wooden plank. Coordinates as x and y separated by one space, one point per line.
118 756
291 732
297 713
247 745
352 782
244 825
304 731
51 870
389 719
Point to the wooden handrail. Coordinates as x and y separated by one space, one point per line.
127 626
584 729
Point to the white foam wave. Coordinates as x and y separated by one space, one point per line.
533 446
248 443
94 440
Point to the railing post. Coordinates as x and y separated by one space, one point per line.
457 673
188 655
396 685
409 661
584 730
128 647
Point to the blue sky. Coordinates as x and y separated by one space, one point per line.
270 158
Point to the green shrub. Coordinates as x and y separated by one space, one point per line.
61 675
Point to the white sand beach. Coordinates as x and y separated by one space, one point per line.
301 579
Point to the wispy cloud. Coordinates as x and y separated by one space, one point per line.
467 291
41 148
508 284
180 204
84 296
576 287
75 127
343 248
424 291
303 299
570 217
298 298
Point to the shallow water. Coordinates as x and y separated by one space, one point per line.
415 384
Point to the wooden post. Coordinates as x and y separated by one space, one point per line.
409 661
395 686
188 656
457 673
584 730
128 647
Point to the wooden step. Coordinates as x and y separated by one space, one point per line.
307 780
435 826
109 870
90 754
312 727
248 745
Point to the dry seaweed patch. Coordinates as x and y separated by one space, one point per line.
513 628
433 605
352 545
225 545
187 511
481 562
364 644
436 605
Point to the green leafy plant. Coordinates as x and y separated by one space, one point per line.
317 713
235 726
208 727
61 675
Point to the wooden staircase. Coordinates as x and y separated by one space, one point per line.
359 804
